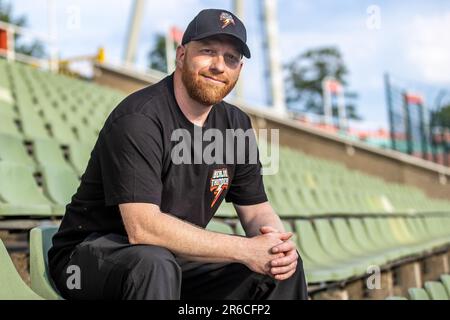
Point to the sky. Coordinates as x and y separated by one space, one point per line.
408 39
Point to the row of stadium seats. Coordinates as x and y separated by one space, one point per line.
21 196
36 104
44 152
309 191
332 250
337 249
433 290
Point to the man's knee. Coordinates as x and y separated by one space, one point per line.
154 274
149 258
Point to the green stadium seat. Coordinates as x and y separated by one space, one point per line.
8 126
319 266
219 226
12 286
12 149
60 184
445 279
7 109
226 210
40 243
20 193
333 247
33 126
85 133
79 154
418 294
239 229
62 132
436 290
48 152
396 298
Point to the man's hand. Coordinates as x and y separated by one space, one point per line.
283 267
260 256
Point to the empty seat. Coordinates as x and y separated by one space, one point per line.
436 290
48 152
418 294
79 154
20 193
12 149
219 226
226 210
319 265
333 247
60 184
62 132
396 298
12 286
40 243
445 279
7 109
8 126
33 126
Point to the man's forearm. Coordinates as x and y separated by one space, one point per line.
263 218
185 239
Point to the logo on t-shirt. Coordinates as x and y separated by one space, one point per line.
219 182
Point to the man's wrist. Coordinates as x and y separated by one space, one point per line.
240 249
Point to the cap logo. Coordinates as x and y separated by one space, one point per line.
226 19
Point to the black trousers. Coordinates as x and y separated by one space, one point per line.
109 267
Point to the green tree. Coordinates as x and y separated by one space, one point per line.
304 80
442 117
157 55
36 48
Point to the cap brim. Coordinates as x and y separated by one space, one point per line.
244 48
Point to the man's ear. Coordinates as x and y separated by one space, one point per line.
181 51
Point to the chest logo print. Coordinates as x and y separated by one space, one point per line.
219 183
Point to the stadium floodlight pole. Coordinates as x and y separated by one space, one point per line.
170 52
387 85
137 13
276 74
238 8
327 103
438 107
407 117
52 35
342 112
423 131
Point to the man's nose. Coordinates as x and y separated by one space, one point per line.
218 64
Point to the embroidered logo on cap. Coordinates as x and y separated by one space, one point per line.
226 19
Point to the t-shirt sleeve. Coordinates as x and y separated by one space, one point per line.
131 156
247 187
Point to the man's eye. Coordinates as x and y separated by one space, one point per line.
232 58
207 51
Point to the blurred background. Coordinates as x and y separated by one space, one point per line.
369 48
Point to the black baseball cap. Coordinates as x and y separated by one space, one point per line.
211 22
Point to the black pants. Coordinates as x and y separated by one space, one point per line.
109 267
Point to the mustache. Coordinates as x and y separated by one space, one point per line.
221 79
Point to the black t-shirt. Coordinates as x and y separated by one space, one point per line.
132 162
